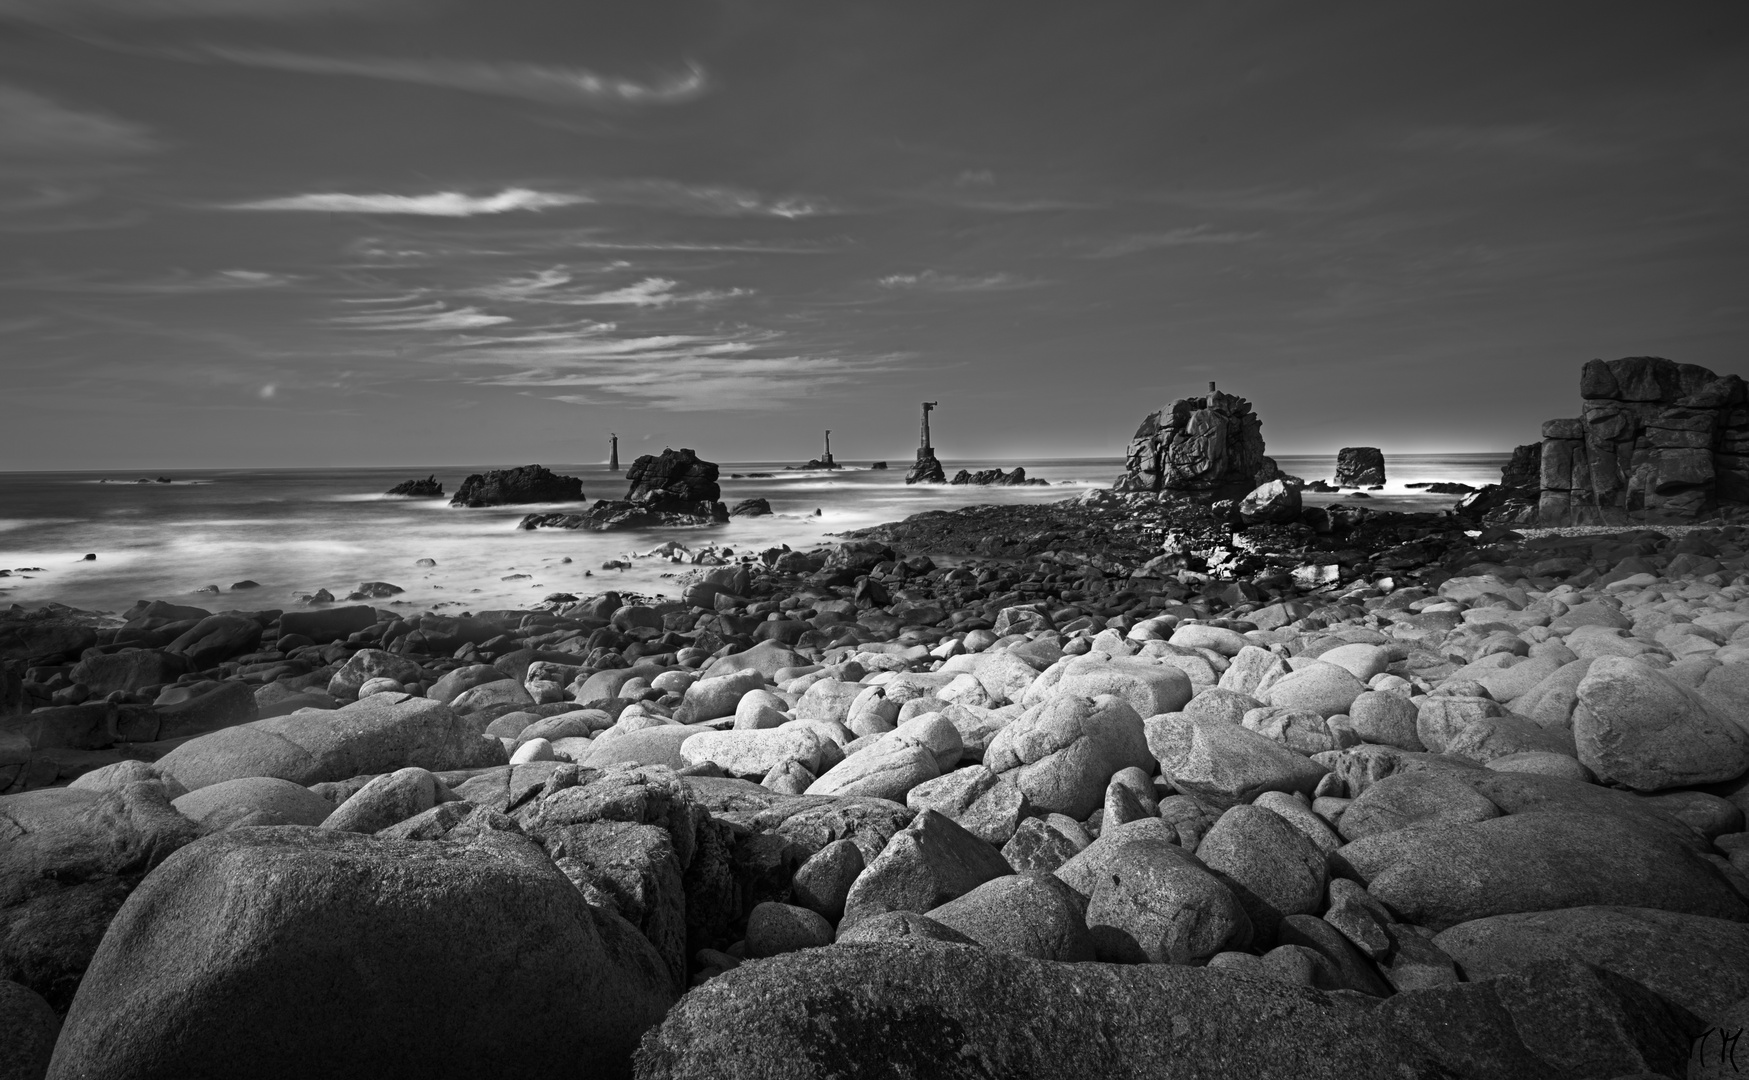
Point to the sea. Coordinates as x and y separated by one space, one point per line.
296 531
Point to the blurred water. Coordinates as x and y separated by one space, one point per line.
296 531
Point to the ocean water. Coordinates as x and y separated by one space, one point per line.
297 531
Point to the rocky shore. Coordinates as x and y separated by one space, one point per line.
1007 791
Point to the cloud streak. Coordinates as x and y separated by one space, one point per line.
1181 237
532 82
423 317
36 127
935 281
690 372
453 204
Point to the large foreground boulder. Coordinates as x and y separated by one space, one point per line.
290 952
382 733
915 1008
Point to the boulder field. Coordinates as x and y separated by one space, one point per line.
853 813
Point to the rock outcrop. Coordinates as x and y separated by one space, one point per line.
1360 466
1514 498
1656 441
1210 446
526 484
673 488
927 470
997 478
674 480
427 488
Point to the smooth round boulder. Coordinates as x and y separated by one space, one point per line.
774 929
1064 751
387 800
1032 915
1543 763
1379 716
1359 659
1273 869
381 685
254 800
823 882
410 958
1325 689
1639 728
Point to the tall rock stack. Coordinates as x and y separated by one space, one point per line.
1657 441
1360 467
1206 446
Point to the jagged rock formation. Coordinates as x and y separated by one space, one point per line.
751 508
527 484
997 478
672 480
1514 499
675 487
927 470
427 488
1657 441
1359 467
1210 446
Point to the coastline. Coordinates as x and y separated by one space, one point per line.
800 723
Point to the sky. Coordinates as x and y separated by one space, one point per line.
299 233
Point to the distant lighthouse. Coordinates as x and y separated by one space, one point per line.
613 456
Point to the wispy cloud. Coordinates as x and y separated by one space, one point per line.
1180 237
437 204
36 127
710 199
178 283
534 82
935 281
750 247
555 286
432 316
593 364
703 200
